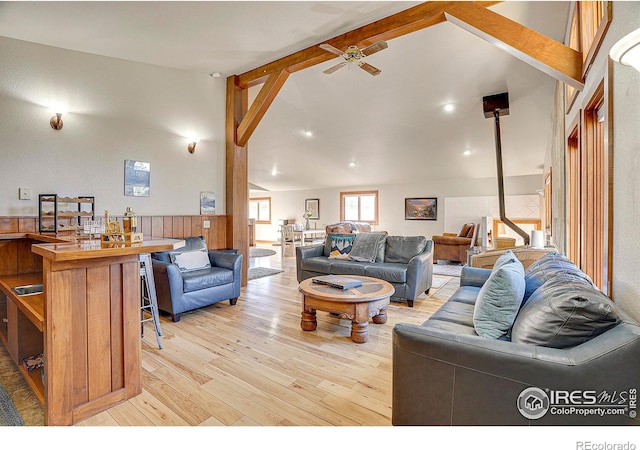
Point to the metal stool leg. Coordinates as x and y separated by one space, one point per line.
149 299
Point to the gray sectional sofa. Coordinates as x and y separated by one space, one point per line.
404 261
570 357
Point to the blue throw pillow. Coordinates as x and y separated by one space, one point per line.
505 258
498 300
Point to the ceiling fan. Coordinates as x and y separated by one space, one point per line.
353 55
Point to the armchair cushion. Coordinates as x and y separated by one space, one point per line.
466 230
202 279
188 261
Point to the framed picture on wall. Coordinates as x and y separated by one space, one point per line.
207 202
313 206
136 178
423 208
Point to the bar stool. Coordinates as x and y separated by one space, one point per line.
148 297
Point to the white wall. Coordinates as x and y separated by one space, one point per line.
290 205
117 110
626 166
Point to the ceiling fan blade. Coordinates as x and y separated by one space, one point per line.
331 49
369 68
373 48
334 68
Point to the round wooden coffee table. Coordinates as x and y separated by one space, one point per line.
358 304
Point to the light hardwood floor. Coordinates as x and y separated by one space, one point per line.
251 364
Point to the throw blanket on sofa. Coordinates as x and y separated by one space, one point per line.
365 247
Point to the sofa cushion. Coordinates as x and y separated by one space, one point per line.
318 264
400 249
499 300
564 312
348 268
546 268
365 247
190 260
391 272
337 244
206 278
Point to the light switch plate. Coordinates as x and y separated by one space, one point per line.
24 193
206 224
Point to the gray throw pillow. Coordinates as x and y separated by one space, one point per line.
564 312
400 249
498 301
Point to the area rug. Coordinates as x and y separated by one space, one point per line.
9 415
260 272
256 252
450 270
439 280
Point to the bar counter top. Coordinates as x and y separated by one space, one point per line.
69 251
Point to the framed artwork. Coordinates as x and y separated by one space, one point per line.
313 206
424 208
207 202
136 178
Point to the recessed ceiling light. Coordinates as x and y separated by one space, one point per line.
274 172
467 152
449 107
352 164
308 133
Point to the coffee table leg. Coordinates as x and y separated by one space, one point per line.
381 317
308 321
359 333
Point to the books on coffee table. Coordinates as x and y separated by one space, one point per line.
337 281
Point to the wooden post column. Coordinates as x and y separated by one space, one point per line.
237 182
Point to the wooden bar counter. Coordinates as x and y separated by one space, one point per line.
86 322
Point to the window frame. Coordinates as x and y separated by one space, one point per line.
260 200
360 194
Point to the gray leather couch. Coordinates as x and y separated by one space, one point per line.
445 374
404 261
179 291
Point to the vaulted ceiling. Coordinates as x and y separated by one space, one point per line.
385 129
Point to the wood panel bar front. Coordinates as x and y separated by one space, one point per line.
92 342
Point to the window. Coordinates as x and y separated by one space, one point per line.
260 209
359 206
589 192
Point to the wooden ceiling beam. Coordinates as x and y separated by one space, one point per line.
260 105
545 54
396 25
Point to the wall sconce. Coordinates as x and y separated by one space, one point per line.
192 146
56 122
627 50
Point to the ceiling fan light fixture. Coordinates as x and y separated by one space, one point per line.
353 55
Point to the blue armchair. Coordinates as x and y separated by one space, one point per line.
193 277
